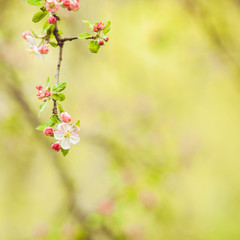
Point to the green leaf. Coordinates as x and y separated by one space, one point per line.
78 123
84 35
60 107
55 119
88 24
50 31
44 125
53 44
35 2
39 16
107 28
58 96
64 151
43 106
59 87
43 8
48 84
93 46
46 25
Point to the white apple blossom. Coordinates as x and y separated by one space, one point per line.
33 47
67 135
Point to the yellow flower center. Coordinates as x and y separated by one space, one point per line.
51 5
67 134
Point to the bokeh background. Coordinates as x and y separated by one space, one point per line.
159 106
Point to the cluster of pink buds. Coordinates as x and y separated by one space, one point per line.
100 26
41 94
53 5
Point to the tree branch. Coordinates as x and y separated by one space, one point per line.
60 44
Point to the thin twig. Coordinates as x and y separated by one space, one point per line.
60 44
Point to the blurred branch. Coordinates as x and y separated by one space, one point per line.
9 78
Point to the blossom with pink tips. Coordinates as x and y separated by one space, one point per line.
67 135
56 147
52 20
48 131
101 25
40 95
66 117
25 34
52 5
43 49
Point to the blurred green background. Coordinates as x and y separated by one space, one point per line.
160 132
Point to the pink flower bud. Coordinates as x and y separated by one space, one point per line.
101 25
52 20
56 147
101 42
25 34
95 28
48 131
43 49
66 117
40 95
47 93
106 39
39 87
66 3
74 5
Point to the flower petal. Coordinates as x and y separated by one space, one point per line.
74 129
74 138
59 135
63 127
66 143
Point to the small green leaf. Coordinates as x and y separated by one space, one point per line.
78 123
35 2
64 151
46 25
107 28
44 125
84 35
43 8
60 107
59 87
48 84
55 119
43 106
93 46
88 24
58 96
53 44
39 16
50 31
